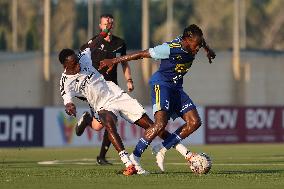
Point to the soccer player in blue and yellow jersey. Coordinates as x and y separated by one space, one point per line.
168 97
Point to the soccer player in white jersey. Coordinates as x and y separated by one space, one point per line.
81 79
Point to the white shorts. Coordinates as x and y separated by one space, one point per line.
125 106
120 103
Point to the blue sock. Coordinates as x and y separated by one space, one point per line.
141 147
172 140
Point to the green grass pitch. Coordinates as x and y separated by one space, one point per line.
234 166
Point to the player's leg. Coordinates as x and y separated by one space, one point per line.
101 159
186 109
151 132
154 129
109 121
160 99
192 123
84 121
145 122
132 111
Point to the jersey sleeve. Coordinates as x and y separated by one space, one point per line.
160 51
65 92
96 41
85 57
67 98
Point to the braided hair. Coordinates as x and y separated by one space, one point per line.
192 31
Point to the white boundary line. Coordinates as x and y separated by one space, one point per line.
93 162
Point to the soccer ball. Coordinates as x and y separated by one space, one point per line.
200 163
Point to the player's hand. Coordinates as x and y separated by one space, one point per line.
70 109
210 55
106 63
130 85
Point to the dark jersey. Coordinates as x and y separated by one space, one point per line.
106 50
174 67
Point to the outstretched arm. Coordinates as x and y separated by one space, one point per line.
133 56
210 53
97 40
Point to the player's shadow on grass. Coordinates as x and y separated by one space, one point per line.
250 171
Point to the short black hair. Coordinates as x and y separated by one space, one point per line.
64 53
192 31
106 15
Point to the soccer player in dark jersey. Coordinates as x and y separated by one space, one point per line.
81 79
111 47
168 97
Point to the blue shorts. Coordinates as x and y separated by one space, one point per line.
174 101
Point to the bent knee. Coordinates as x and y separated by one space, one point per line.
96 125
195 123
107 117
154 131
159 127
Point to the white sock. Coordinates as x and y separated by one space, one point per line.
163 149
125 158
183 150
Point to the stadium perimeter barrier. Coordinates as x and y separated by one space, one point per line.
51 127
21 127
61 128
249 124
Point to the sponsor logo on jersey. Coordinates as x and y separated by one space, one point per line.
183 68
175 45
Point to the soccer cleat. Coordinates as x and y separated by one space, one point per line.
103 161
130 170
83 122
136 160
160 156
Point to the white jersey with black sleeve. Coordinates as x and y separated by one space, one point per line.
88 83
